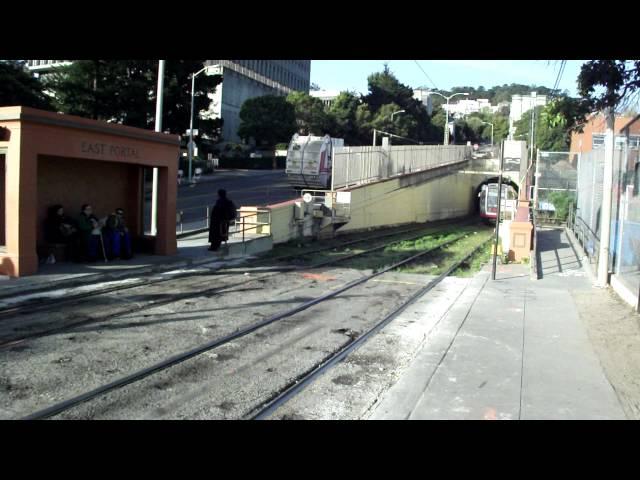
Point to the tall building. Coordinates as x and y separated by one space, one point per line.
245 79
423 96
466 107
45 66
523 103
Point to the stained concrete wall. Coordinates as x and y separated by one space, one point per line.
400 200
283 224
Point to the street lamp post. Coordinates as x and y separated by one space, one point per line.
208 71
158 128
375 131
394 113
489 123
446 123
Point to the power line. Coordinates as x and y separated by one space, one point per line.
558 77
434 85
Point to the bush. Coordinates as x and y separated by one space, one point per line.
264 163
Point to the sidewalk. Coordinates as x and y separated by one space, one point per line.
514 348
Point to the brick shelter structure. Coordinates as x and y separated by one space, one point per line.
49 158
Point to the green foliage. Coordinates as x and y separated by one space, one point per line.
561 202
124 91
268 120
551 133
606 84
19 87
311 117
344 110
384 89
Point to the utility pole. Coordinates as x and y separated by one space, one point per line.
607 198
374 137
154 187
495 251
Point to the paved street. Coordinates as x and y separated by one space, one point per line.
244 187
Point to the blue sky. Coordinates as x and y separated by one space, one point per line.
445 74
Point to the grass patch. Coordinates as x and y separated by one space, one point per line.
406 248
438 262
476 262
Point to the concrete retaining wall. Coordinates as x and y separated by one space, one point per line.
407 199
397 201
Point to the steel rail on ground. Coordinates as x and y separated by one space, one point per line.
181 357
300 383
184 296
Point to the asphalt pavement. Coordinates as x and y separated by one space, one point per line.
246 188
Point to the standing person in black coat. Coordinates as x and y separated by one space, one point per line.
222 213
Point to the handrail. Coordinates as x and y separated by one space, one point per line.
241 215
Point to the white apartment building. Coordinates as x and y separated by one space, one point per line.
327 96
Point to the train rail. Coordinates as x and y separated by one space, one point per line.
299 383
19 339
309 377
43 304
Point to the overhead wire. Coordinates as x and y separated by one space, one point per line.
426 74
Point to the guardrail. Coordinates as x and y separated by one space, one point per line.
255 221
357 165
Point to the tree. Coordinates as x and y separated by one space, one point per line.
402 124
19 87
606 84
384 88
384 91
549 136
311 117
268 120
344 112
124 91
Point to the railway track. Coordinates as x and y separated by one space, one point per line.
39 304
18 339
300 382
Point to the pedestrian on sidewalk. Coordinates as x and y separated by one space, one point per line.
221 215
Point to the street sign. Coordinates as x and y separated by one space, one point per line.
195 132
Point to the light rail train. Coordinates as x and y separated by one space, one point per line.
488 200
310 160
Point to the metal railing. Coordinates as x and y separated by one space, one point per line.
358 165
244 223
248 221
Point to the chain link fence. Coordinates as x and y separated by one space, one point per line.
556 184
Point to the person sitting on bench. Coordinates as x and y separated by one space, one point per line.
90 234
58 230
116 235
